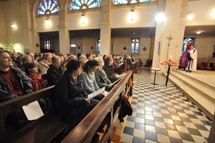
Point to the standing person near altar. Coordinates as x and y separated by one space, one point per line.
183 60
192 59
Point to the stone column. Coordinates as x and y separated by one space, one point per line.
35 42
158 36
63 29
26 33
3 29
174 26
105 28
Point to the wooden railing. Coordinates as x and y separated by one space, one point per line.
86 129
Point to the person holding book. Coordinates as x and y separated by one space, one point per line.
88 78
71 98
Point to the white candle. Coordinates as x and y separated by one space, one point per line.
170 57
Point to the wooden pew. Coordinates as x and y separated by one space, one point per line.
46 128
85 130
41 130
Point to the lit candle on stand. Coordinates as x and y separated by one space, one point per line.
170 57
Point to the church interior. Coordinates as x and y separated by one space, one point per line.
151 30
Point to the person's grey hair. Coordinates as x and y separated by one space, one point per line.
99 59
46 55
25 58
82 56
72 57
55 58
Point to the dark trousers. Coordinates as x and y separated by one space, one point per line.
77 114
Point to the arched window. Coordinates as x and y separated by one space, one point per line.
135 45
47 7
84 4
123 2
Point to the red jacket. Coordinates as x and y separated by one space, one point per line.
37 81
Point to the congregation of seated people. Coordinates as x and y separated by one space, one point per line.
74 77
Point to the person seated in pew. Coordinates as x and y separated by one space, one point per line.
55 71
45 63
101 77
38 83
88 78
13 83
36 79
71 96
25 60
129 62
83 59
108 68
117 66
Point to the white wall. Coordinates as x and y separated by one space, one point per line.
202 12
145 16
92 21
54 22
3 35
205 47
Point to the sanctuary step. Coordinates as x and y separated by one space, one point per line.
199 87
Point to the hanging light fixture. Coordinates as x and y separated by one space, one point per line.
213 13
190 15
47 22
132 15
159 17
83 19
14 26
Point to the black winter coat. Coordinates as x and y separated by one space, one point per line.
70 94
24 81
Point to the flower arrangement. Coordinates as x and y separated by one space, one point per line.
169 62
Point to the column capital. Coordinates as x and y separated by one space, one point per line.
105 23
62 27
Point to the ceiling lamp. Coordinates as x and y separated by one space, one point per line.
132 15
14 26
47 22
190 15
198 32
83 19
213 13
159 17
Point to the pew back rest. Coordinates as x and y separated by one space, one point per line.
9 106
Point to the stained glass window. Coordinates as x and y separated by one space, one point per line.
185 41
84 4
98 45
47 44
123 2
135 45
47 7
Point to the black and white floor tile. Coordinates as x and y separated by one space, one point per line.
162 114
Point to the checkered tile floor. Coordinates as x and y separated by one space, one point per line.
163 114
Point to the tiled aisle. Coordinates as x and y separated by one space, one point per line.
163 114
